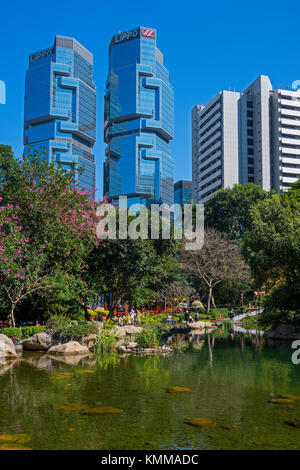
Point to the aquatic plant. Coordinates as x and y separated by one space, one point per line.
149 337
107 338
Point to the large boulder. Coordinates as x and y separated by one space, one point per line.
38 342
200 325
128 330
132 330
72 347
120 330
88 341
7 351
284 332
6 339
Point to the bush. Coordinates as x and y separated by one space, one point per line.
58 321
101 311
285 297
148 338
11 332
197 304
74 332
271 319
216 312
22 333
107 338
28 331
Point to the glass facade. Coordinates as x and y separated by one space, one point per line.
60 107
183 192
138 120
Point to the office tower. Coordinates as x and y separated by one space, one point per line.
138 121
253 136
183 192
285 105
60 107
215 145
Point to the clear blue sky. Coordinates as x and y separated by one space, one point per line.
207 46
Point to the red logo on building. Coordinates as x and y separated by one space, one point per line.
148 33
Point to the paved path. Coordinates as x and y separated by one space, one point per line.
252 313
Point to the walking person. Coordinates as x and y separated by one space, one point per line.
132 315
186 316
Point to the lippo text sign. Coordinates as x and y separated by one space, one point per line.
133 34
41 54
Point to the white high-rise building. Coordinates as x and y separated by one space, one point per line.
285 138
253 136
215 145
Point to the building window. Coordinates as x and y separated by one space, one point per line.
250 132
249 113
250 151
250 161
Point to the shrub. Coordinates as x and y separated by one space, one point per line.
204 316
148 338
216 312
74 332
22 333
197 304
58 321
107 338
28 331
11 332
271 319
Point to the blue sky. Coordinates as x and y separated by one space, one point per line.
207 46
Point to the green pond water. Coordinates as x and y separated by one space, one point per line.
231 380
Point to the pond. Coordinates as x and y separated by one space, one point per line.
49 401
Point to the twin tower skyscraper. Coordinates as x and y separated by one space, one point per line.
60 115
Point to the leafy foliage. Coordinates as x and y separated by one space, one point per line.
150 337
75 332
23 333
228 210
272 247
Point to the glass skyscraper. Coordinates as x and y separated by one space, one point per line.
138 121
183 192
60 107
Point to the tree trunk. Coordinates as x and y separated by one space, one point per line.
113 306
11 316
213 301
209 299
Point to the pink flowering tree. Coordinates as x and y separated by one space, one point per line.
48 229
21 272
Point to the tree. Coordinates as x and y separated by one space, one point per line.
272 246
228 211
175 293
56 222
121 269
218 260
118 268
